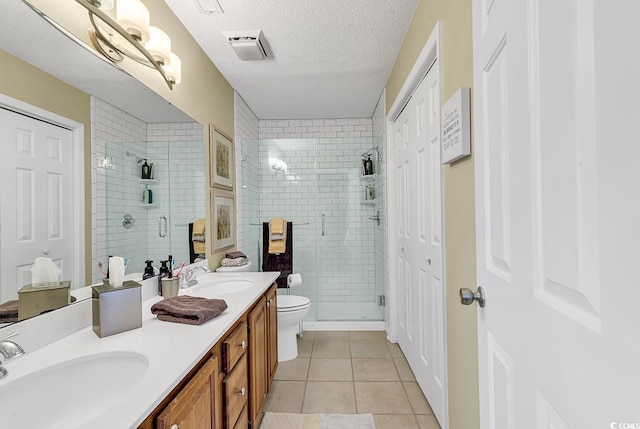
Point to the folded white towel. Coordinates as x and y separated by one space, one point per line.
237 262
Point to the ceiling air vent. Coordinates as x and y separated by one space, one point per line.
210 6
249 44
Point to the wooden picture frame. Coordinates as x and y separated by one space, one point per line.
221 159
223 220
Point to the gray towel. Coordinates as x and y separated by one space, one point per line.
192 310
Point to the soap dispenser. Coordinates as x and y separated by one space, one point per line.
148 270
164 272
146 173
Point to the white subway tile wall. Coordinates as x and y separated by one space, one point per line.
315 128
114 133
248 181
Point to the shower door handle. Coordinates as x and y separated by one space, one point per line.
160 219
323 224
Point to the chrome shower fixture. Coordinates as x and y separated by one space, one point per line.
138 159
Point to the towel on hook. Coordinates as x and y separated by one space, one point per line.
277 236
199 247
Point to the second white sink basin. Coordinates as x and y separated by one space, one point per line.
215 285
71 393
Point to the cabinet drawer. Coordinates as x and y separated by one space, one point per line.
234 347
236 391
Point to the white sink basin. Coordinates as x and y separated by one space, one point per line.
71 393
217 285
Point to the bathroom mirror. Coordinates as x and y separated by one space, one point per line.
128 122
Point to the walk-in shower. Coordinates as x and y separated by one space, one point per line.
319 185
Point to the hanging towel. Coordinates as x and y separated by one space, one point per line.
192 310
198 230
282 262
199 247
277 236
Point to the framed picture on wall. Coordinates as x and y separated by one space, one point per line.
223 220
221 159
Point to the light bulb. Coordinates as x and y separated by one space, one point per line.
159 46
133 16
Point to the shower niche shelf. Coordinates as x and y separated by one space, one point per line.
368 202
368 177
148 181
147 206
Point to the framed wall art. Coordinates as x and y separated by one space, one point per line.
223 220
221 164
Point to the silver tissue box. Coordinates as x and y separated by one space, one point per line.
116 310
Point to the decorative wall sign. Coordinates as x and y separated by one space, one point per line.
221 163
456 127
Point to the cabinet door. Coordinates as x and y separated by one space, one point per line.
195 406
272 335
257 361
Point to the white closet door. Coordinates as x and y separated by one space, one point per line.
37 199
419 228
557 210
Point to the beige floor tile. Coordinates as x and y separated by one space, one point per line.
331 349
285 396
308 336
397 421
325 369
305 348
427 422
329 397
416 398
296 369
381 397
404 370
332 335
394 349
369 349
374 369
367 335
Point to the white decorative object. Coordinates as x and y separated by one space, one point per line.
456 134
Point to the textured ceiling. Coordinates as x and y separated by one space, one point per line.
327 58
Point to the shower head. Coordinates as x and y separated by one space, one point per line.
138 159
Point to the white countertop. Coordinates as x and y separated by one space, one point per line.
171 350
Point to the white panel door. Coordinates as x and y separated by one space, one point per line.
557 212
417 168
37 199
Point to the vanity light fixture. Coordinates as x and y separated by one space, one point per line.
126 32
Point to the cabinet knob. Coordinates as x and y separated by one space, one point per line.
241 392
243 345
174 426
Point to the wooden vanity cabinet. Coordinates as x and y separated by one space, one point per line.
263 352
197 405
236 383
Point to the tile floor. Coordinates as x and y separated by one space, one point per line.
351 372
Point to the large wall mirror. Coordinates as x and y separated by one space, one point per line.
126 127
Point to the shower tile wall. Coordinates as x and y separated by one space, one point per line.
248 183
332 147
110 124
181 144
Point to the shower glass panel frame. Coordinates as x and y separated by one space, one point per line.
317 184
178 197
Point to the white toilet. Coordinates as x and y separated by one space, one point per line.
292 310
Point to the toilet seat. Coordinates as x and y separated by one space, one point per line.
288 303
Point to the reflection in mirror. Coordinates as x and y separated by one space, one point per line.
120 113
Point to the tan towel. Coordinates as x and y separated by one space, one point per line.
199 247
198 227
192 310
278 227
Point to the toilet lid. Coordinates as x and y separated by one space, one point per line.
292 302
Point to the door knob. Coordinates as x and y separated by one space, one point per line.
467 296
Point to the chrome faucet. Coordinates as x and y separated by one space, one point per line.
8 350
188 275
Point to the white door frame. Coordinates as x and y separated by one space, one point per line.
429 55
77 131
